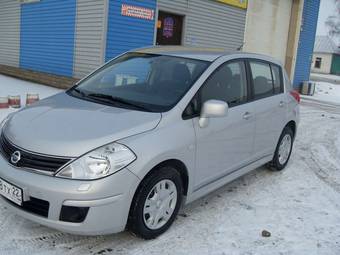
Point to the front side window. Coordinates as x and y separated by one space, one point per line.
228 83
262 79
144 82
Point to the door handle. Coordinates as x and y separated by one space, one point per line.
281 104
247 116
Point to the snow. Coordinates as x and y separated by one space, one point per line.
298 206
325 92
325 77
14 87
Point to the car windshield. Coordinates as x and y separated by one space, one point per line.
145 82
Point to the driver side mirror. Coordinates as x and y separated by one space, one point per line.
212 109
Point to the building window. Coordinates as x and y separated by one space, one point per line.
169 29
317 63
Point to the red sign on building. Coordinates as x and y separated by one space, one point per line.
137 12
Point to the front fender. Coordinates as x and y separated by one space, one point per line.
173 141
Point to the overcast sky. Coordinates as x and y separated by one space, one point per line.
327 8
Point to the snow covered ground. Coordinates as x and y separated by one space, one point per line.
299 206
326 92
14 87
325 77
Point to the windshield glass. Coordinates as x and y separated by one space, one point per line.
144 82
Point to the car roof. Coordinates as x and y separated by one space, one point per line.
200 53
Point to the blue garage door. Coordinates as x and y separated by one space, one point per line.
47 36
306 41
128 32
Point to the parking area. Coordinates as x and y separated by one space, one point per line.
298 206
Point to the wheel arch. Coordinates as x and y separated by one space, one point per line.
292 125
178 165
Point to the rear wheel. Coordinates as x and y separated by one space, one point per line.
283 150
156 203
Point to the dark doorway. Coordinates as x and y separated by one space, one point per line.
169 29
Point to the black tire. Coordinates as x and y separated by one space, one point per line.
275 164
136 222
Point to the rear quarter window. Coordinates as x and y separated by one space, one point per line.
277 79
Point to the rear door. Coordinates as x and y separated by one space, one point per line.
226 144
269 104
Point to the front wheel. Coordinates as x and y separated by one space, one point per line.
283 150
156 203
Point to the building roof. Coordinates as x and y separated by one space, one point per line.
324 44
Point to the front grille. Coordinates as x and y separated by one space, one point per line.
31 160
34 205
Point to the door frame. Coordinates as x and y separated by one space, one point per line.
184 21
250 96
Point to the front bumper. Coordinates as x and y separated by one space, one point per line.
108 199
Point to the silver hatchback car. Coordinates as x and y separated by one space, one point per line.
151 130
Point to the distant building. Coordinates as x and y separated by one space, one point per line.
326 56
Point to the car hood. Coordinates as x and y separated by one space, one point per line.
63 125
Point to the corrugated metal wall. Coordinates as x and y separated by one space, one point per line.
209 23
47 36
175 6
9 32
125 33
306 41
90 36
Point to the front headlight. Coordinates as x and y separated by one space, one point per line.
99 163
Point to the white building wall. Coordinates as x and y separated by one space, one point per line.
267 27
326 63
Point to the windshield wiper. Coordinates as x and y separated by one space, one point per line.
119 100
82 93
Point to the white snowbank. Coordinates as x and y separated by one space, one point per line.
326 92
331 78
14 87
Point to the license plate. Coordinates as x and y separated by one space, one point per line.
11 192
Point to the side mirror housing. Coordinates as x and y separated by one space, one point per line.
212 109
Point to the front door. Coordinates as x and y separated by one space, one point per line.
226 144
169 29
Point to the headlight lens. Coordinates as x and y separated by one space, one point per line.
99 163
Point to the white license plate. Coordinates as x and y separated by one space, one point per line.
11 192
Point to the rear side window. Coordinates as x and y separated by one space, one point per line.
262 79
267 79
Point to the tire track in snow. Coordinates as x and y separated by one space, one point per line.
328 107
318 145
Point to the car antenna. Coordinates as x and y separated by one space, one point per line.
241 47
